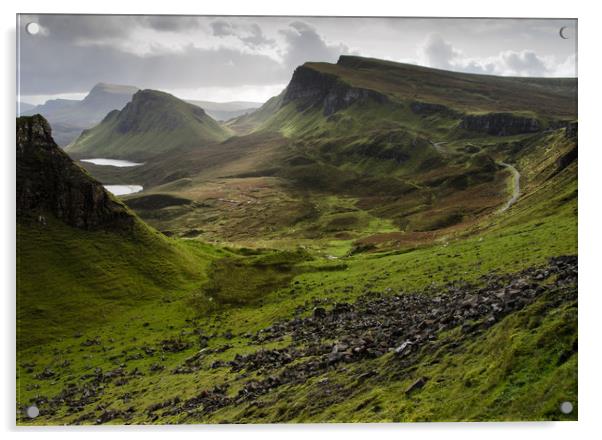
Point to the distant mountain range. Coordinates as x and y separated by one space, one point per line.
152 123
69 117
23 107
224 111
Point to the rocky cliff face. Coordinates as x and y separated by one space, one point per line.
500 124
48 182
571 130
311 88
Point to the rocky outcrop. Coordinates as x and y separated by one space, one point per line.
311 88
500 124
48 182
571 130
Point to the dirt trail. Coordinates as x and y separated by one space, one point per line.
515 186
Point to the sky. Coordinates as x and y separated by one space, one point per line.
252 58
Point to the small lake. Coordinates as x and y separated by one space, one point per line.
122 190
112 162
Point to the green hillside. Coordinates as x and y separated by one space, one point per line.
152 123
82 256
355 148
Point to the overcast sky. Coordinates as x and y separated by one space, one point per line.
252 58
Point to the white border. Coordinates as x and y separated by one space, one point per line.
590 298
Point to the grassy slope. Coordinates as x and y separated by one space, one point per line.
70 280
509 369
152 123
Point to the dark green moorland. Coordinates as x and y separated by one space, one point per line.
379 243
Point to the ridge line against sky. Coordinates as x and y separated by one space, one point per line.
252 58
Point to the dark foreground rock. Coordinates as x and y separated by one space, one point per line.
49 182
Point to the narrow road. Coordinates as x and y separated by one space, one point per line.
515 186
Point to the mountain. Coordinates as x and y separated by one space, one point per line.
69 117
23 107
80 251
224 111
151 123
414 96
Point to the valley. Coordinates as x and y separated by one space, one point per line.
381 242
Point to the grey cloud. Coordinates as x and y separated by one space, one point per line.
59 62
252 37
439 53
305 44
257 38
525 63
170 23
72 28
222 28
42 72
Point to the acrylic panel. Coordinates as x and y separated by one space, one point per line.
295 219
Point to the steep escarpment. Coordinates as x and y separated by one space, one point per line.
393 94
500 124
48 182
312 88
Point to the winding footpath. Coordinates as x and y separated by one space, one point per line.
515 186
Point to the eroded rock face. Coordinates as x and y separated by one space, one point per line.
500 124
48 182
571 130
309 88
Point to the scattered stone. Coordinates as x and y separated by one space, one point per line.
319 312
416 385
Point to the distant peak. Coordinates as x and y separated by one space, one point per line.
103 87
148 95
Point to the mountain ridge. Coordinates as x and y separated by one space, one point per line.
153 122
69 117
338 86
